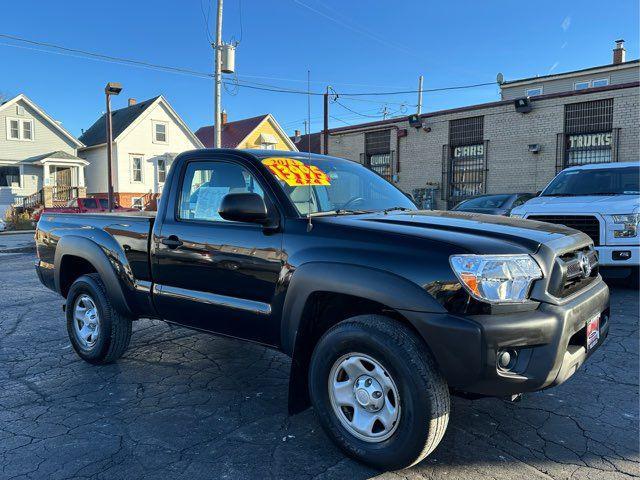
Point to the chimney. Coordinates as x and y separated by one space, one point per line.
619 53
224 117
132 101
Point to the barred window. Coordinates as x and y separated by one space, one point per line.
588 132
589 117
466 158
466 131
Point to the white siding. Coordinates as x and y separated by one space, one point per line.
616 76
46 138
96 172
139 141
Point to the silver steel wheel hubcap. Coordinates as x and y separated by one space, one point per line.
364 397
86 321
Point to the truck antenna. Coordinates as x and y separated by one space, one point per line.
308 132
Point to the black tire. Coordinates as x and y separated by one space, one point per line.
114 329
424 395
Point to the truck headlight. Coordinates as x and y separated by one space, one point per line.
630 222
496 278
516 215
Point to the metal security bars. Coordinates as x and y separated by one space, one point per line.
378 155
466 131
588 117
464 160
588 135
381 163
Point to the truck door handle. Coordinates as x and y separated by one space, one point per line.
172 241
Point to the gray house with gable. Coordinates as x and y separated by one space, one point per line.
38 161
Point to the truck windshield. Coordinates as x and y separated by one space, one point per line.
337 186
601 181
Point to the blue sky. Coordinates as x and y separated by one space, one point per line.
354 46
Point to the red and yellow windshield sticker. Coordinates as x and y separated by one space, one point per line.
295 173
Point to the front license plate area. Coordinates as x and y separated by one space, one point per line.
593 331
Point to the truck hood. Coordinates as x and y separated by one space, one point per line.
605 204
473 232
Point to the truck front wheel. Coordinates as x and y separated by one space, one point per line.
378 392
98 333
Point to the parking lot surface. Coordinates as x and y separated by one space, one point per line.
185 405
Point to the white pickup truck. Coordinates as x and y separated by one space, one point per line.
601 200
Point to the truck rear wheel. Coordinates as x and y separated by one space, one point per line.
378 392
98 333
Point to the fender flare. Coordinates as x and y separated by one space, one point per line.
377 285
372 284
100 260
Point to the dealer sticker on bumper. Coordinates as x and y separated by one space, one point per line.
593 331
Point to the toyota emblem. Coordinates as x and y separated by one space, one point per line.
585 265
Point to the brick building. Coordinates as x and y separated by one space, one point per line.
517 144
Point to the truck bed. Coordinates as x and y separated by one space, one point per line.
124 234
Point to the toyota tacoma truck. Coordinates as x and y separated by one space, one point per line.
385 310
601 200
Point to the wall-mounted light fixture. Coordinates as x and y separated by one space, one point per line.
534 147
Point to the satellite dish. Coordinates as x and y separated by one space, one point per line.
500 78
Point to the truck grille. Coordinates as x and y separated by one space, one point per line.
573 271
585 223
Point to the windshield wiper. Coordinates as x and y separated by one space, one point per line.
604 193
391 209
340 211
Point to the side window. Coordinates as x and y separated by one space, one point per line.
90 203
206 183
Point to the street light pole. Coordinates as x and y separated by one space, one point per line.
217 123
112 88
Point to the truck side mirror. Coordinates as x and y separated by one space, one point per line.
243 207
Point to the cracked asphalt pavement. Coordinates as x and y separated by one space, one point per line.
184 405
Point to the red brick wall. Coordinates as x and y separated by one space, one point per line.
149 200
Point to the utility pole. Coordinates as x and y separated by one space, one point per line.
217 121
420 80
325 133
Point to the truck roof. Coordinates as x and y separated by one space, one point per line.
597 166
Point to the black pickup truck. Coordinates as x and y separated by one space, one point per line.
385 310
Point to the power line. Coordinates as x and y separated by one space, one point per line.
353 111
109 58
206 21
241 83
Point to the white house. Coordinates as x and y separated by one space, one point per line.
147 136
38 162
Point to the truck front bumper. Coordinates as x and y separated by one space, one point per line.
550 344
618 255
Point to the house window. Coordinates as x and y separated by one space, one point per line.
9 175
532 92
162 170
136 202
19 129
136 168
268 146
600 82
581 85
160 132
27 133
14 129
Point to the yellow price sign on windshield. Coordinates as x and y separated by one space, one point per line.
295 173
